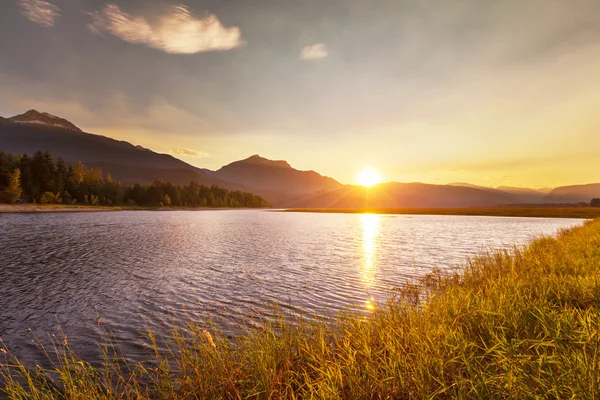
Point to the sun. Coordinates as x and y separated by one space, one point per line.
368 177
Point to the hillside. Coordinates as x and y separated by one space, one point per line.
520 195
275 180
43 118
126 162
393 194
525 195
573 193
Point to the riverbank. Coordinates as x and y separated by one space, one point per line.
52 208
534 212
39 208
521 324
537 212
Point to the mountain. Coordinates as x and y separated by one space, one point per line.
518 189
520 195
545 190
274 180
470 185
126 162
403 195
43 118
525 195
573 193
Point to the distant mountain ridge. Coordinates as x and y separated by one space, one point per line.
125 162
258 160
516 189
574 193
403 195
275 180
43 118
520 195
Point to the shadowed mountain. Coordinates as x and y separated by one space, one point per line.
486 188
276 181
545 190
126 162
574 193
521 195
43 118
470 185
398 195
526 195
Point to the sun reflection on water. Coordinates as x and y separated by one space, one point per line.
370 228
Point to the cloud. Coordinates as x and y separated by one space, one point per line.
39 11
176 31
314 52
188 153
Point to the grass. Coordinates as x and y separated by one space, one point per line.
541 211
518 324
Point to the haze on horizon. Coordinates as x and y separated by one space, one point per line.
479 91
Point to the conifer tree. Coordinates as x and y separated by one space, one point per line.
13 192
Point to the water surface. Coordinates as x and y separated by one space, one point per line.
135 270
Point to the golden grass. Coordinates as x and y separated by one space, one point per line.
540 212
518 324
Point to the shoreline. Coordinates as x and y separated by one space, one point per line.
524 212
58 208
42 208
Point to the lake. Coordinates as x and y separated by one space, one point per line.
134 270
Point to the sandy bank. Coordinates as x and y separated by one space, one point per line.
36 208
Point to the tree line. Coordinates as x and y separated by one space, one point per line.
41 179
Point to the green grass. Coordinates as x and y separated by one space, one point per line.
541 211
518 324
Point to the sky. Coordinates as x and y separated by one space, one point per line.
490 92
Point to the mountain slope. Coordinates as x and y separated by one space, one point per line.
126 162
275 180
573 193
43 118
470 185
398 195
524 195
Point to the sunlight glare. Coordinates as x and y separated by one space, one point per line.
368 177
370 227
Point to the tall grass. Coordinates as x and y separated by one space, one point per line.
520 324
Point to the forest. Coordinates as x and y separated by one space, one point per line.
40 179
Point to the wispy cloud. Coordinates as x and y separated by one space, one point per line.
314 52
188 153
177 31
39 11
